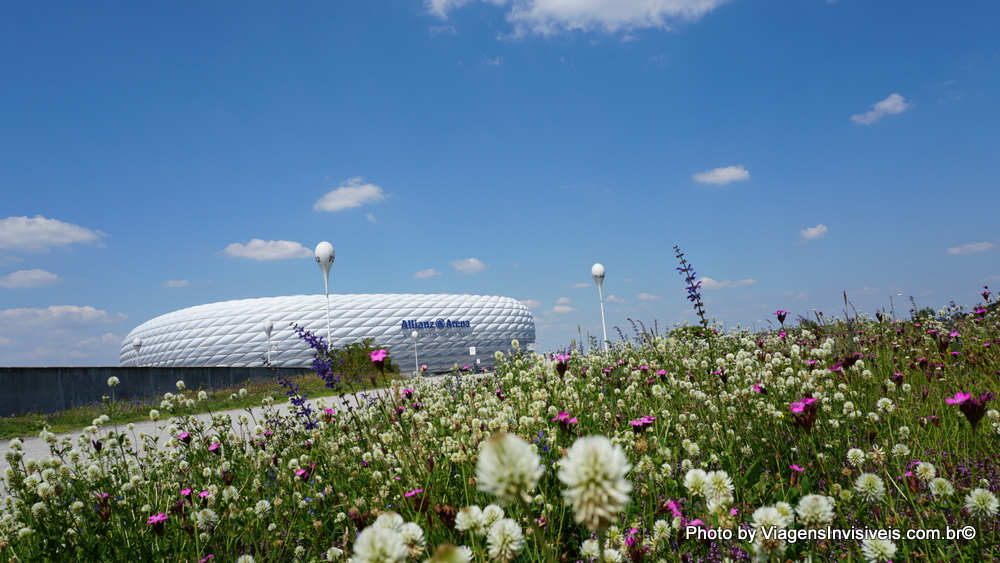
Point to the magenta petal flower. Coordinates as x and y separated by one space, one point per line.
378 355
796 467
157 518
958 399
413 492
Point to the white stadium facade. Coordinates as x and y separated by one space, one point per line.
451 329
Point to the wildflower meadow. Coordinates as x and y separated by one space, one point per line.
826 439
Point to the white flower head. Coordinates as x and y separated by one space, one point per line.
815 510
877 550
113 381
470 519
925 471
390 520
504 540
696 482
594 472
869 487
982 503
941 487
768 517
379 545
491 514
508 468
718 485
855 457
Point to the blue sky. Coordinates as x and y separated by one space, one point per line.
155 156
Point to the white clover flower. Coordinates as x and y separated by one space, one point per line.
878 551
718 485
768 517
262 507
505 540
941 487
904 431
379 545
869 486
470 519
885 405
815 510
206 519
508 468
925 471
696 482
180 385
590 549
612 556
491 514
113 381
245 559
413 537
900 450
855 457
982 503
594 472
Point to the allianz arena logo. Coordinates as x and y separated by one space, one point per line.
440 323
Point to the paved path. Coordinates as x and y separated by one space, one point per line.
35 448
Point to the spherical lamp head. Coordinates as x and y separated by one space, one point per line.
598 272
136 343
268 327
324 256
414 335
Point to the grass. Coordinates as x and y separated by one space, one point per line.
218 399
845 425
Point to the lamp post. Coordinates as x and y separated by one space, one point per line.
268 327
136 344
598 272
324 257
416 364
892 306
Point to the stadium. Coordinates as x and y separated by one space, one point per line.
451 329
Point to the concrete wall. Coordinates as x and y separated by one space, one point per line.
50 389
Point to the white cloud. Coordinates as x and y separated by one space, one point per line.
495 61
28 278
531 303
371 218
59 335
581 285
549 17
563 301
37 234
722 176
971 248
175 283
562 309
258 249
892 105
647 297
613 299
468 266
428 273
709 283
813 233
353 192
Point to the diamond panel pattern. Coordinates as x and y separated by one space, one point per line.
231 333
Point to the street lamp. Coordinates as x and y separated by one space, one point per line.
892 307
598 272
268 327
136 344
324 257
416 364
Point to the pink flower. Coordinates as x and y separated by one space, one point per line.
157 518
413 492
675 509
185 492
565 417
204 494
758 388
959 398
378 355
797 468
800 406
